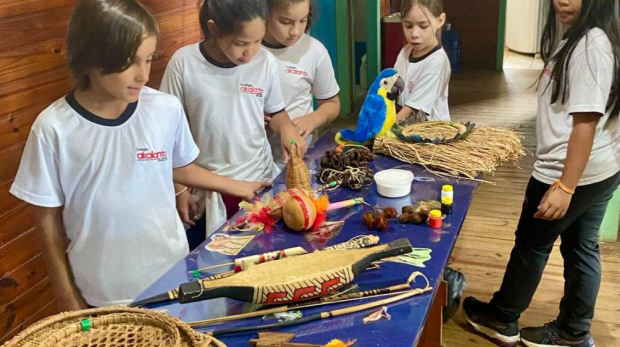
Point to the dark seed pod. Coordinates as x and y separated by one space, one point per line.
408 209
389 212
418 218
368 219
382 223
405 218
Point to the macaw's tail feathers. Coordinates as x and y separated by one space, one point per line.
347 137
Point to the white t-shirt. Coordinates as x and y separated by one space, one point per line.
225 105
114 181
426 82
591 70
305 71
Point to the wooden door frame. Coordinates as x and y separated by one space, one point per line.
501 35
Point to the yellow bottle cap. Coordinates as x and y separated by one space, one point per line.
435 214
446 200
447 188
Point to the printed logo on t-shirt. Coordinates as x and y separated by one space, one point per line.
292 70
410 86
248 88
144 154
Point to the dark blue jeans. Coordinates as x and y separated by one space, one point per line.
578 231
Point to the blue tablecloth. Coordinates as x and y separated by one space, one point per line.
407 317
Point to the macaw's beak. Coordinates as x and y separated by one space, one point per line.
397 88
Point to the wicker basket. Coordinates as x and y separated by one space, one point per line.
297 175
277 203
111 326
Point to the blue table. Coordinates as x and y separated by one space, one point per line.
408 317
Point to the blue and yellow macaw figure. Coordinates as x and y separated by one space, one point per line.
378 113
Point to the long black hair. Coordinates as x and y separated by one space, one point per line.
229 15
602 14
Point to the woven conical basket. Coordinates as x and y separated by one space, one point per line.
112 326
297 175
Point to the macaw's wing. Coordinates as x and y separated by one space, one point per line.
369 121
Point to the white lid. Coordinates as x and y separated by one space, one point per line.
394 177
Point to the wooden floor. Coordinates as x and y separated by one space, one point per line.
483 248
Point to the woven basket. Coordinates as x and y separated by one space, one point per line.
297 175
111 326
277 203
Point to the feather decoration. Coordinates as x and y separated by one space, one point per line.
320 204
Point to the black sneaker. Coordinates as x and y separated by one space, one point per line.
480 316
551 335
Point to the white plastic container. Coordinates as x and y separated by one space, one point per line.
394 183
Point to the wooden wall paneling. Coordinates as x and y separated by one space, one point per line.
21 280
31 28
477 22
18 252
385 8
11 157
178 28
14 222
32 76
21 309
7 201
10 8
15 127
32 59
46 311
157 7
34 91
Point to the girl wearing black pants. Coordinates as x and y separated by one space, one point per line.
575 176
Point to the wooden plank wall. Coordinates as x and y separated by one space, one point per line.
33 75
477 22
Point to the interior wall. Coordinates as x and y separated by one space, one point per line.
477 21
32 76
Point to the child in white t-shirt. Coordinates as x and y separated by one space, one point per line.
99 164
422 63
575 175
305 70
227 84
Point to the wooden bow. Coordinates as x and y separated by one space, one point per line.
333 313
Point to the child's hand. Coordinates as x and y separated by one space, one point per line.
305 125
554 204
285 139
247 190
267 119
187 208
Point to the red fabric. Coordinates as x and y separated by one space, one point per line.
232 205
393 41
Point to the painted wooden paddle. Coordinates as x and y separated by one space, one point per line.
294 279
361 241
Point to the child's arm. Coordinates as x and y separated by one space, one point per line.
196 176
405 112
325 89
53 245
424 96
555 203
326 113
280 123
